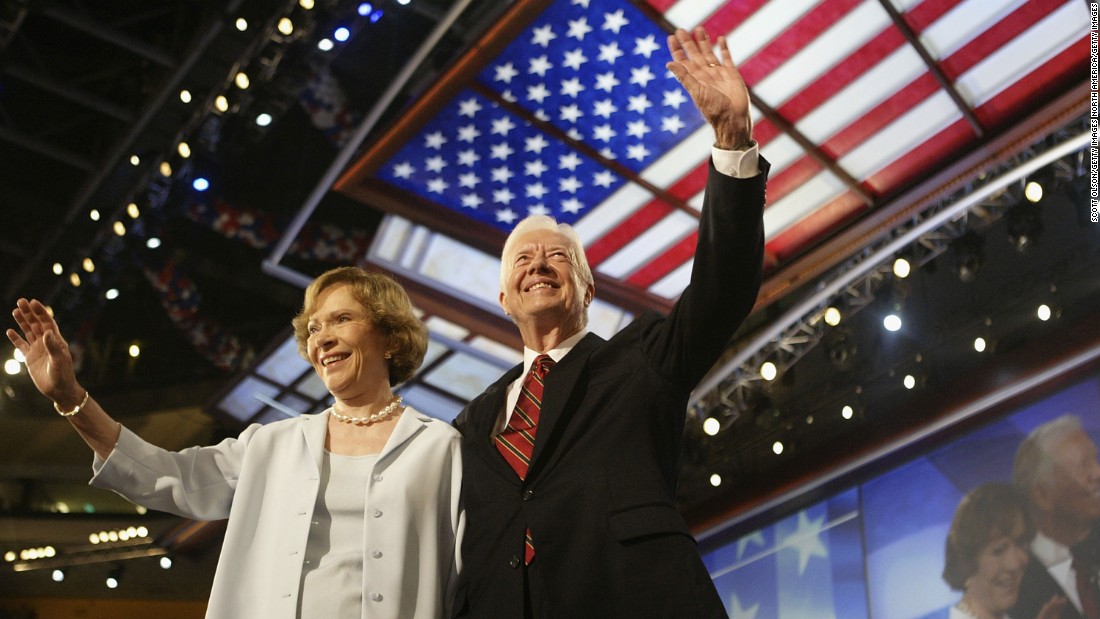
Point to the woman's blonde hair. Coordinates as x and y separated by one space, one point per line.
390 311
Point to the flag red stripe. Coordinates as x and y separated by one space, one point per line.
1059 73
816 225
669 260
794 39
995 37
730 16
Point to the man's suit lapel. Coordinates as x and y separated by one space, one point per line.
483 423
559 385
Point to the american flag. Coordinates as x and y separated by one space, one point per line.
578 118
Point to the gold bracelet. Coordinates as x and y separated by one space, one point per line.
75 410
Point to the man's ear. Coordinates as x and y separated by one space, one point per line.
1041 497
589 294
503 304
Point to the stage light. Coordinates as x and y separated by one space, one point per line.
969 255
152 242
909 381
57 268
841 347
88 265
716 480
18 356
341 34
133 211
93 214
241 24
264 119
200 184
119 229
365 8
1033 191
58 575
892 322
325 45
165 562
74 279
979 344
241 80
1044 312
847 412
184 149
286 27
375 16
11 367
221 103
111 294
185 96
901 268
306 4
135 160
10 556
711 426
114 578
1024 226
832 316
777 448
768 371
135 352
165 169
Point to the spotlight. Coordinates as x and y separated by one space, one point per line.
777 448
1024 226
832 316
166 562
341 34
58 575
892 322
114 577
841 347
901 268
200 184
365 8
768 371
969 255
711 426
1033 191
716 480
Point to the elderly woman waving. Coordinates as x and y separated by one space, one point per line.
350 513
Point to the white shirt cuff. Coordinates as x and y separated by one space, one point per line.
737 163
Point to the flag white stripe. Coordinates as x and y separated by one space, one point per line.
808 197
1043 41
764 25
687 14
911 129
650 244
670 286
879 83
963 23
818 56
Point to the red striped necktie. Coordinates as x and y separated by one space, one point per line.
517 442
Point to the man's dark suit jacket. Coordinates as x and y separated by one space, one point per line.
599 495
1036 589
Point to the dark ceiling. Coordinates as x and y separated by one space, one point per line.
85 85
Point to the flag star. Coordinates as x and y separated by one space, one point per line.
574 134
605 108
569 161
501 151
543 35
637 129
578 28
469 180
538 92
646 47
471 200
435 164
606 81
468 133
639 103
534 168
637 151
537 191
583 3
403 170
570 113
437 185
505 73
535 143
506 216
502 125
674 98
508 96
539 66
806 540
756 539
610 52
603 132
603 178
572 205
538 209
503 196
738 610
614 21
574 59
570 184
542 115
468 157
571 87
502 174
672 124
641 76
469 107
607 153
435 140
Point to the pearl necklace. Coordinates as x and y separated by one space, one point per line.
366 421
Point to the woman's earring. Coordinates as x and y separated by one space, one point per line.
386 356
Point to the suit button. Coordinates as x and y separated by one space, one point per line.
528 495
513 562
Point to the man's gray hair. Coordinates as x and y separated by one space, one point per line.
1034 462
